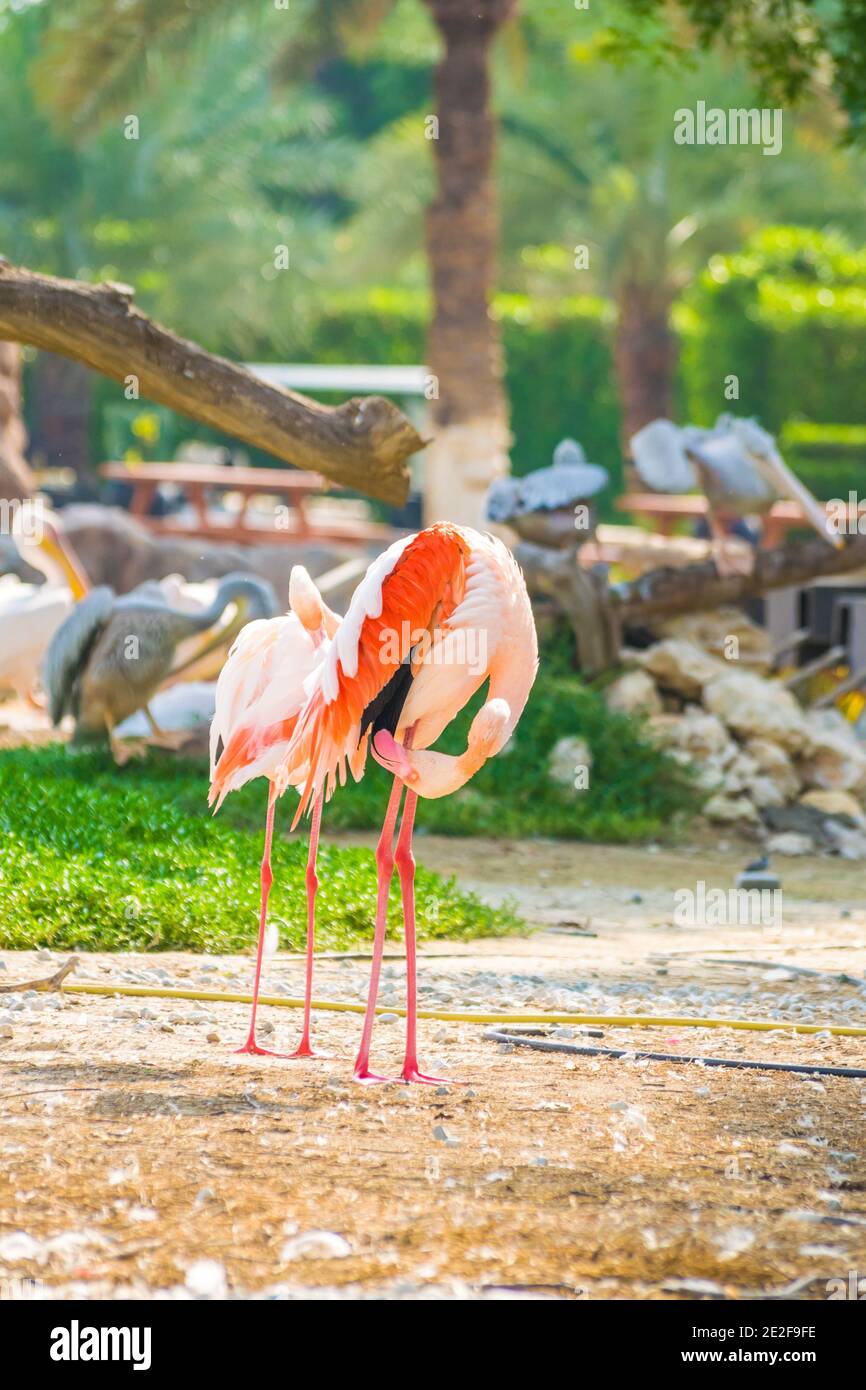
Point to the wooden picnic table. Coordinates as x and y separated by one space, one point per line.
667 509
199 481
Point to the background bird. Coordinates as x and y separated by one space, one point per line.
436 616
111 655
551 506
31 612
736 465
259 694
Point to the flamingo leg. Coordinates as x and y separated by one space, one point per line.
405 861
385 871
267 879
304 1048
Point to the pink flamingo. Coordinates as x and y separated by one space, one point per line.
436 615
259 695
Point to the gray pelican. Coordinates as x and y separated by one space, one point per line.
551 506
736 465
111 655
30 613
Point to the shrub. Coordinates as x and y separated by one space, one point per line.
788 316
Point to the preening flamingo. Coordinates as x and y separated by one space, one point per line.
435 616
259 694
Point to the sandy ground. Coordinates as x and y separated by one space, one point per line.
139 1155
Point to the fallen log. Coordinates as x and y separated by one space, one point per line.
363 443
662 593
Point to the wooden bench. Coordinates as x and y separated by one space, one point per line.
666 510
198 481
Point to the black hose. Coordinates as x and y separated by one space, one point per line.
543 1045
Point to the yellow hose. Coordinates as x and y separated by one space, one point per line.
212 996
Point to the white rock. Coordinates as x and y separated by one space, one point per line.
18 1245
207 1279
739 773
695 731
851 844
834 759
568 754
835 804
316 1245
774 762
681 666
757 708
764 791
633 693
713 629
730 808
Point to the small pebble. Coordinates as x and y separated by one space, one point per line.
441 1135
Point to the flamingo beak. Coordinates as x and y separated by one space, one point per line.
392 755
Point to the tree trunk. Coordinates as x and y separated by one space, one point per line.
644 357
62 398
469 406
16 480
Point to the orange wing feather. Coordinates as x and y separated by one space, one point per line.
426 582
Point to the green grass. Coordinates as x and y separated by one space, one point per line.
95 857
92 858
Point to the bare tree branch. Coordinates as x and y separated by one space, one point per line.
664 592
363 443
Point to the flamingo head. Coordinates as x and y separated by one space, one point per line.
304 599
433 775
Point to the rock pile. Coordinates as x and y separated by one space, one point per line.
797 775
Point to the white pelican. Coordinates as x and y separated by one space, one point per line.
736 465
30 614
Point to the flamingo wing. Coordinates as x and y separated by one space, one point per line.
413 583
259 694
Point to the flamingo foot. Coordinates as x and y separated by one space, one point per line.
252 1048
365 1077
412 1075
304 1049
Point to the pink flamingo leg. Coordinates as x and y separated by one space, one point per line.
385 871
304 1048
406 869
267 879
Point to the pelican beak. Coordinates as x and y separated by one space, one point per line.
221 634
58 549
392 756
789 485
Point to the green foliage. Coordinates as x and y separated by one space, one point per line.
788 315
92 858
635 790
558 363
831 459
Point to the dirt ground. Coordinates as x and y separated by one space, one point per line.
140 1155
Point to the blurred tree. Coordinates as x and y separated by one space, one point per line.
600 196
219 182
100 50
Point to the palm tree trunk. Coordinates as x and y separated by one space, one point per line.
644 357
469 406
16 480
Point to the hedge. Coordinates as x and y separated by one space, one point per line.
787 315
